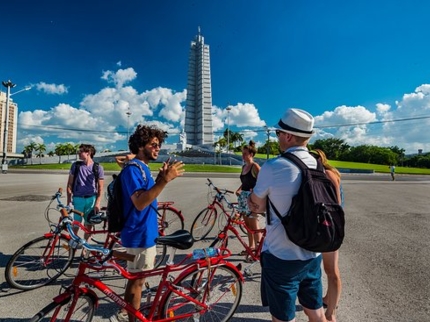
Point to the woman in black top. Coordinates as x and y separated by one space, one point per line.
248 178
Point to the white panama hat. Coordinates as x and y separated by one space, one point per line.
297 122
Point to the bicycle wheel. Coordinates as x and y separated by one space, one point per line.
83 310
39 262
203 223
169 220
222 295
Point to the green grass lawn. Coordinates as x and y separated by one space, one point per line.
154 166
234 169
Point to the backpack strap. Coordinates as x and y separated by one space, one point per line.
269 202
299 163
137 164
96 171
303 167
75 174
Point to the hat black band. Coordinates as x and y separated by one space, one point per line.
289 128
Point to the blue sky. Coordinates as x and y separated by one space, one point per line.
361 68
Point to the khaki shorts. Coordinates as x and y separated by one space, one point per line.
144 260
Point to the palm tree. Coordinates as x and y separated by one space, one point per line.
76 146
29 149
51 153
69 149
236 137
40 149
59 150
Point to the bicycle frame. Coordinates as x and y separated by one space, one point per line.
159 299
218 199
252 254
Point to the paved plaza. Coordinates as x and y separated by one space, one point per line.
384 261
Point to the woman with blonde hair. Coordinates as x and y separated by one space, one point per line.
248 178
331 259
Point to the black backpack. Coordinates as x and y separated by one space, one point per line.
115 205
315 220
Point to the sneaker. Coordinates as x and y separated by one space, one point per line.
119 317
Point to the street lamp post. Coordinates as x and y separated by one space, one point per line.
8 86
228 132
128 124
267 142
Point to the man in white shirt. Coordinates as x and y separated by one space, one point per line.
288 271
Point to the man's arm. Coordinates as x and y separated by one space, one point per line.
69 189
100 186
256 204
142 199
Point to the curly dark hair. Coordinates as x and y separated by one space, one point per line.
251 148
143 135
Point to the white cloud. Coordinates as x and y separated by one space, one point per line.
120 77
404 125
51 88
382 108
102 117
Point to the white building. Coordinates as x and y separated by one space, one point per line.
12 126
198 110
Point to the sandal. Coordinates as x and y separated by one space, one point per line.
243 253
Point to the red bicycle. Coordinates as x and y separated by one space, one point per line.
206 218
207 289
251 255
44 259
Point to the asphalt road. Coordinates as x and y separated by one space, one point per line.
384 261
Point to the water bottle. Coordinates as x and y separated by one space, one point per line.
203 253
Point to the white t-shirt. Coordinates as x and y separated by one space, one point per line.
280 179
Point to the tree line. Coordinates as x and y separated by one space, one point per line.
339 150
38 150
335 149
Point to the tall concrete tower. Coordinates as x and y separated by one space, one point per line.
198 110
12 124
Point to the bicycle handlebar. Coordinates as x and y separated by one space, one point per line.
76 241
220 191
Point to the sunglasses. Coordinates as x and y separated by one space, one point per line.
155 145
278 132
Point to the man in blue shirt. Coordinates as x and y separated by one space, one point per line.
140 191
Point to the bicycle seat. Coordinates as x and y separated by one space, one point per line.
180 239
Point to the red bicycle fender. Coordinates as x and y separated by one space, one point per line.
64 296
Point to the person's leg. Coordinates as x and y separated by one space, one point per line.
248 222
256 226
310 291
89 208
334 284
144 260
252 223
279 285
315 315
78 204
133 294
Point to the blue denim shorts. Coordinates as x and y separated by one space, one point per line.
283 281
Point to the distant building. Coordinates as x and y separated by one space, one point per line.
198 110
13 122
